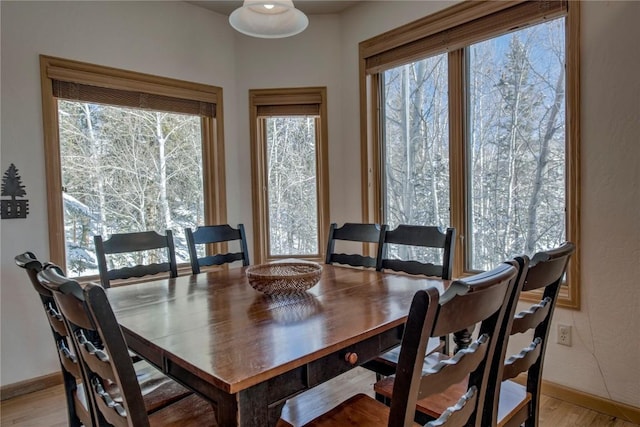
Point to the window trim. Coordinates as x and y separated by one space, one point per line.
112 79
286 101
401 45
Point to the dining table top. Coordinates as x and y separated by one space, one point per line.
234 337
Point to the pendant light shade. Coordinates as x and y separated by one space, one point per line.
268 19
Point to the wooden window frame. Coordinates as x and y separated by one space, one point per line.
295 101
127 88
449 31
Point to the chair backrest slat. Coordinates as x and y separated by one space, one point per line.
134 242
482 302
55 319
417 235
522 361
138 271
358 232
531 317
548 267
220 259
217 233
413 267
443 373
211 234
460 413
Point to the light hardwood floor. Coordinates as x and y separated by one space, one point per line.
47 407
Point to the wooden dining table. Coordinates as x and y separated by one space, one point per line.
248 352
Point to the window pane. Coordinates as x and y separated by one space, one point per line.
416 143
292 185
516 144
126 170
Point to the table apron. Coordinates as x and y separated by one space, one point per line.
264 401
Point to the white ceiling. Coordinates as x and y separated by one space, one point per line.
309 7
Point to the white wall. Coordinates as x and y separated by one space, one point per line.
604 360
308 59
186 42
172 39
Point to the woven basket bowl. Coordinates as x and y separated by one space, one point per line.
283 278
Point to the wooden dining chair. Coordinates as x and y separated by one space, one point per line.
354 232
508 403
158 390
216 234
519 404
115 391
136 243
78 409
478 299
413 238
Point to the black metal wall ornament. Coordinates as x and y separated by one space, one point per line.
12 186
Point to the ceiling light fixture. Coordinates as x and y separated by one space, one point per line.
268 19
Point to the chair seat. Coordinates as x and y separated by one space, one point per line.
157 389
514 399
433 405
386 363
192 411
360 410
318 400
314 402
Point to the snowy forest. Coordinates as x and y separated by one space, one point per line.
127 170
291 185
514 144
130 170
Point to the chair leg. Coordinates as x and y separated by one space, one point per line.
446 348
421 418
383 399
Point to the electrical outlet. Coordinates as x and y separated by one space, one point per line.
564 335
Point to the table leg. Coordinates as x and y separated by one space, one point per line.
253 409
227 411
462 338
248 408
